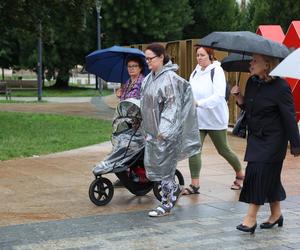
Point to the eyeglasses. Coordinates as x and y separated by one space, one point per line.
149 59
132 66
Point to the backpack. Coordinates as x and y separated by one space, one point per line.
227 90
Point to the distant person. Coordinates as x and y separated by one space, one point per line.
209 85
169 125
271 122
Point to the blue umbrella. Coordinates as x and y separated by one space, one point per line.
110 64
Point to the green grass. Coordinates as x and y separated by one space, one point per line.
14 101
69 92
28 134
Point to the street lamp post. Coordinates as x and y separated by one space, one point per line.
98 10
40 62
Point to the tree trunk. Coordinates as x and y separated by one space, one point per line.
62 79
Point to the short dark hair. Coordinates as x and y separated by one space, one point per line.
159 50
136 59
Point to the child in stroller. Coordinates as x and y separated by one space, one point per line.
126 159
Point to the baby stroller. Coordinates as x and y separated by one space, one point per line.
126 159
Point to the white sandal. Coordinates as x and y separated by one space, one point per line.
159 211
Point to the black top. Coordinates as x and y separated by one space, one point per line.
271 120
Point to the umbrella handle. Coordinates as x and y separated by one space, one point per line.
239 78
238 81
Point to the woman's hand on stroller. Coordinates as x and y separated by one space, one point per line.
135 124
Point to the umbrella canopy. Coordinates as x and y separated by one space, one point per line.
244 42
289 67
110 64
236 63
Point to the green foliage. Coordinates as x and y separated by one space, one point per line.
64 34
144 21
280 12
212 15
24 135
69 29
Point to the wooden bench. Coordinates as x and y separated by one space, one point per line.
8 86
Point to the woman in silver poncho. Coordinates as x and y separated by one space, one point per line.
169 124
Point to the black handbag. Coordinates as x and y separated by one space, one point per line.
240 127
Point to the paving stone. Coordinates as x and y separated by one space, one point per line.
134 230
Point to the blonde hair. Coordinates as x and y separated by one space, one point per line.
272 62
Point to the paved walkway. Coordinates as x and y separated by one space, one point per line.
45 205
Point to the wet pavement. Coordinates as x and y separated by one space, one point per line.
45 205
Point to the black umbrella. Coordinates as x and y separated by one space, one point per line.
244 42
236 63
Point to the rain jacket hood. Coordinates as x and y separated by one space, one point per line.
168 109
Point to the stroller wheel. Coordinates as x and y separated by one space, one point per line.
101 191
157 185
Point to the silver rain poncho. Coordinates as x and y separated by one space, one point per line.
168 109
127 140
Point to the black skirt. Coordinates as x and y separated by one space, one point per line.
262 183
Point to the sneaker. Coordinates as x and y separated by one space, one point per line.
159 211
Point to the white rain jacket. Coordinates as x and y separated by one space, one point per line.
168 109
212 110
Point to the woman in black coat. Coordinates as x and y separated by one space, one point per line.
271 122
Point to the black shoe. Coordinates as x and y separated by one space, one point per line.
268 225
118 183
247 229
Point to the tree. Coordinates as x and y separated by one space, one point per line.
144 21
281 12
64 35
212 15
67 40
69 29
9 47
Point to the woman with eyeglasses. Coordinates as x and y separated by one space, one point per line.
169 124
131 88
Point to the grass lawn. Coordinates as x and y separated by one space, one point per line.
14 101
28 134
69 92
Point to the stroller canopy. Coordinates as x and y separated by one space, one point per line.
129 108
127 112
127 139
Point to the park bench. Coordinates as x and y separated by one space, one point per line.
8 86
